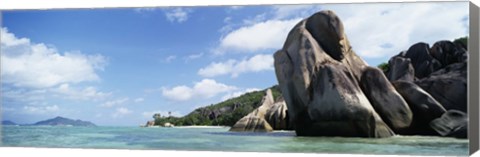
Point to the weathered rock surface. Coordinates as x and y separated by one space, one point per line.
269 116
423 106
400 68
421 60
252 124
389 104
448 86
453 123
319 76
277 116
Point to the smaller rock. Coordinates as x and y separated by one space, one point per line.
453 123
252 124
400 68
150 123
255 120
277 116
167 124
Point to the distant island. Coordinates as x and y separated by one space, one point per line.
7 122
57 121
61 121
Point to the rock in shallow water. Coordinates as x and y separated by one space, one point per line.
268 117
319 76
453 124
424 108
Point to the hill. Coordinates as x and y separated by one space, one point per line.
225 113
7 122
64 121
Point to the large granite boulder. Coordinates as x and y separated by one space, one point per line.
400 68
421 60
389 104
319 76
423 106
448 52
453 123
448 86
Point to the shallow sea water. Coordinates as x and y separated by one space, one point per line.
219 139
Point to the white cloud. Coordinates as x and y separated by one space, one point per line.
149 114
238 93
114 102
27 64
170 58
382 30
294 11
260 36
206 88
41 109
177 15
193 57
137 100
234 68
121 111
87 93
144 9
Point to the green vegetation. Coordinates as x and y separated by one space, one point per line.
463 41
383 66
225 113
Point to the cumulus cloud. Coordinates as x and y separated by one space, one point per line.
257 63
239 93
177 15
35 65
267 35
87 93
121 111
114 102
382 30
40 109
206 88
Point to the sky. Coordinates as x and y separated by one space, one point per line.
119 66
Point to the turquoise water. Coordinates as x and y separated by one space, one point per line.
219 139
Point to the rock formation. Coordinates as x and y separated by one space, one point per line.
330 91
268 117
320 75
453 123
150 123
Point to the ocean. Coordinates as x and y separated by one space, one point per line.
220 139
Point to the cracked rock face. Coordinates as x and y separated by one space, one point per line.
329 90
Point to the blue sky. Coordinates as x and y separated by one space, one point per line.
119 66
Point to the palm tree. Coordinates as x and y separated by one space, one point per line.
157 116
